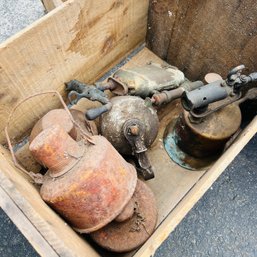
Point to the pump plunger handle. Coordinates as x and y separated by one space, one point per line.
91 92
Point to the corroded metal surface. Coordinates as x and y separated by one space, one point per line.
146 80
56 116
209 136
125 108
89 185
85 124
127 212
195 146
128 235
177 155
61 118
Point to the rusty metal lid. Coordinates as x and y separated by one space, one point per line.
127 236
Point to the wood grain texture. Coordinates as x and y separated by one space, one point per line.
79 39
204 36
25 226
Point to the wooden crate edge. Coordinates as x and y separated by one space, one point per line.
24 225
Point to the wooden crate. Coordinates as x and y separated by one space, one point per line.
84 39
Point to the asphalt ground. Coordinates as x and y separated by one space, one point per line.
222 224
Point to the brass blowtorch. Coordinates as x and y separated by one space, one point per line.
210 118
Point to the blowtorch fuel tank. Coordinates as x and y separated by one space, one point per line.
61 118
88 184
209 136
126 108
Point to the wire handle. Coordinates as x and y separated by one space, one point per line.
38 178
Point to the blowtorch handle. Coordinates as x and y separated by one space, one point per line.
204 96
253 76
189 86
92 114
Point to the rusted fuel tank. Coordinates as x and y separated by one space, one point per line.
210 135
131 126
196 145
126 234
61 117
88 184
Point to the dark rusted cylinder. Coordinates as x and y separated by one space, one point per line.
132 233
61 118
89 185
210 135
126 108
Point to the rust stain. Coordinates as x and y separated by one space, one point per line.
82 31
82 28
14 100
117 4
2 95
108 43
125 11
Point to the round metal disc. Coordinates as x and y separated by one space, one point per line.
212 77
127 236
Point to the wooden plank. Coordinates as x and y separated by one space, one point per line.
198 37
25 226
191 198
79 39
51 4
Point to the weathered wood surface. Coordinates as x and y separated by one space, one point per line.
204 36
24 225
80 39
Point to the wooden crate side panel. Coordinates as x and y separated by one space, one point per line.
51 4
24 225
196 192
80 39
60 236
204 36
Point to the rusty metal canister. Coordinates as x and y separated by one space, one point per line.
127 235
61 117
208 137
125 108
88 184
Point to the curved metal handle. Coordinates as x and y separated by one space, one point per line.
81 90
235 71
96 112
